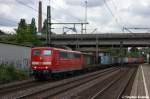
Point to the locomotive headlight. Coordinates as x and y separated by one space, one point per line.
47 63
34 67
35 63
46 67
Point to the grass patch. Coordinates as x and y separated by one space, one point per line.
9 73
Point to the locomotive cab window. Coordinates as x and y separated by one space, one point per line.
36 52
77 55
63 54
47 52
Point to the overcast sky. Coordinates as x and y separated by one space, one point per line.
104 16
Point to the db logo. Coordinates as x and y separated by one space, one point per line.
41 58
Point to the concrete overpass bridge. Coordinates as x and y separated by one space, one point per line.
102 40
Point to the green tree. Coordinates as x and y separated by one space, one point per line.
33 27
26 33
119 52
32 33
22 29
134 52
44 29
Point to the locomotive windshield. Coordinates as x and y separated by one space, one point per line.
47 52
36 53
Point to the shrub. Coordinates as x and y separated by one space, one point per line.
9 73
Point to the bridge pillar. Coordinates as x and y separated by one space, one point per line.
121 52
149 54
97 50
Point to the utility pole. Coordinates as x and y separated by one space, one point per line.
81 28
49 25
77 41
86 15
40 17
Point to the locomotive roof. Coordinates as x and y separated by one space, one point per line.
56 49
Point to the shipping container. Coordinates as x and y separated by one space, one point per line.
106 60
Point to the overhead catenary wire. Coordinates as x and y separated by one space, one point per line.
116 8
22 3
28 6
112 14
68 13
54 8
127 28
78 19
73 16
109 8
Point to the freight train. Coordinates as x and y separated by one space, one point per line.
46 61
107 60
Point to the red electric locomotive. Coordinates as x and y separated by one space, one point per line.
46 61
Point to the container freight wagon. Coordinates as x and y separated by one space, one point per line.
115 60
106 60
110 60
132 60
141 59
88 60
136 60
125 60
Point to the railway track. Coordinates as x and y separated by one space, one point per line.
11 86
52 91
115 88
14 83
54 88
106 87
112 88
21 86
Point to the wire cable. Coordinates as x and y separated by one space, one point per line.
22 3
119 18
68 13
115 18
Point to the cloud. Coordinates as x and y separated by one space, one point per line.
140 10
7 1
91 3
26 1
5 21
128 12
136 14
6 16
11 12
